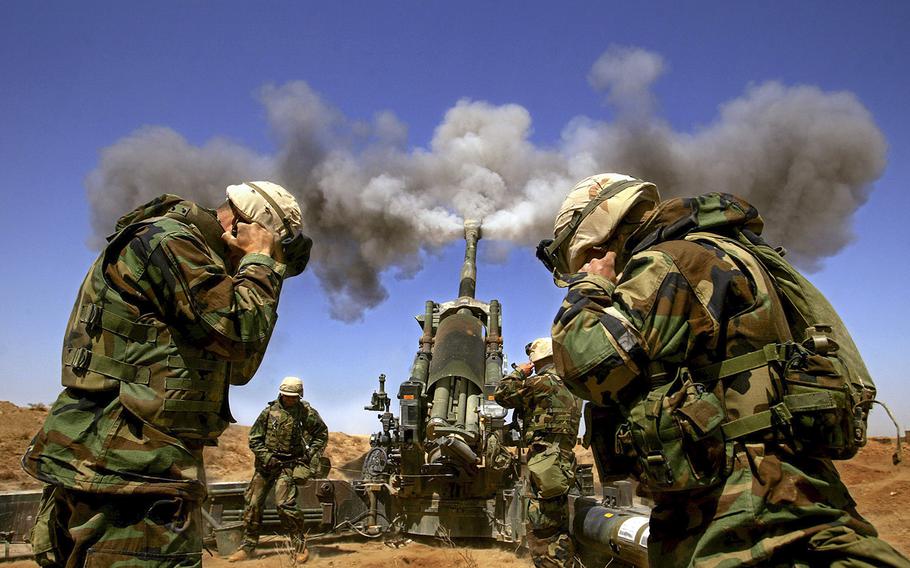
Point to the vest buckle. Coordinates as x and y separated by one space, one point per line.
91 315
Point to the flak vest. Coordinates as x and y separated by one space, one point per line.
285 429
560 417
111 345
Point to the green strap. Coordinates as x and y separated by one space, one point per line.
207 365
779 414
185 383
747 362
82 359
176 405
93 314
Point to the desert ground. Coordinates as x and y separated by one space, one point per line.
881 490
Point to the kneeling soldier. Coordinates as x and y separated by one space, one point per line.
287 439
551 415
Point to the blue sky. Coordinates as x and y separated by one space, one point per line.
78 77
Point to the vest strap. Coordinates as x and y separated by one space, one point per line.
177 405
82 359
735 365
196 364
93 314
779 414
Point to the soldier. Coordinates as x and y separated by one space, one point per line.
179 305
673 324
550 415
288 440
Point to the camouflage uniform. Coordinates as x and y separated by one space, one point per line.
160 329
683 302
551 415
288 444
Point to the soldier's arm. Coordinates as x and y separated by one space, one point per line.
317 433
257 437
511 391
605 334
230 315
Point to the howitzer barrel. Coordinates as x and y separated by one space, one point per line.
468 282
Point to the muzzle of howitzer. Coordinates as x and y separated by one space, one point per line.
468 283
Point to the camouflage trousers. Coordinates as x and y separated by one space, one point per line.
76 529
775 509
285 499
551 469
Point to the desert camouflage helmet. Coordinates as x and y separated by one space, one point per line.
291 386
590 216
268 204
273 207
539 349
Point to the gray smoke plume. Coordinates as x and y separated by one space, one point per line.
804 157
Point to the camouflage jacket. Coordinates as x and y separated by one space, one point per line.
678 302
544 401
297 432
167 264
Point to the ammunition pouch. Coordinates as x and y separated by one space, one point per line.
818 408
676 432
552 470
43 536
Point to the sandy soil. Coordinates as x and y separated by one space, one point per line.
882 492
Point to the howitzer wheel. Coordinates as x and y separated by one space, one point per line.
375 464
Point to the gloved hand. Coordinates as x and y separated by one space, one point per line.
526 368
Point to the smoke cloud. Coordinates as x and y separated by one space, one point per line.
804 157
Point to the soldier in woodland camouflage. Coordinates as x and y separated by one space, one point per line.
551 415
288 440
667 309
178 306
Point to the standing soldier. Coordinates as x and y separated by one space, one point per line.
179 305
288 440
550 414
730 378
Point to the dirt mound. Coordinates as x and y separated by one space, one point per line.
17 428
232 460
881 490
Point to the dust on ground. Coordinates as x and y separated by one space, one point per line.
881 490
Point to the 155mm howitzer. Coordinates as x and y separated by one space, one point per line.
443 458
443 468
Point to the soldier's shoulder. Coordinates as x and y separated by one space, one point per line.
158 230
686 252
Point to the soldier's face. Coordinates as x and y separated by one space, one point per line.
287 401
